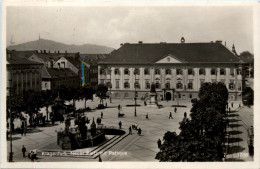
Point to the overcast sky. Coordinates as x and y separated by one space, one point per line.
110 26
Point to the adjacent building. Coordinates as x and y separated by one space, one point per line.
177 69
92 60
53 78
25 75
78 67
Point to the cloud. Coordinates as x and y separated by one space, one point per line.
111 26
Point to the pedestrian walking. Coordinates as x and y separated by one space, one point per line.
145 103
24 150
101 115
99 159
119 107
232 104
159 142
147 116
185 114
106 104
229 110
175 110
239 105
120 125
139 131
170 116
32 156
130 130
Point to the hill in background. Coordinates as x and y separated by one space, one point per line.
52 46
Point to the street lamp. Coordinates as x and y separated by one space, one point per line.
135 94
10 126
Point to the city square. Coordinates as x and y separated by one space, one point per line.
137 148
122 86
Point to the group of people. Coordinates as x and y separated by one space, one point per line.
139 130
32 155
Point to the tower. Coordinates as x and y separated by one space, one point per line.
182 40
234 49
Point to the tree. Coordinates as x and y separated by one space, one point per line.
248 96
102 92
202 137
86 93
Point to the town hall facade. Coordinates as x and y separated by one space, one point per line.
177 69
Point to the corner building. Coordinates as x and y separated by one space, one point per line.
177 69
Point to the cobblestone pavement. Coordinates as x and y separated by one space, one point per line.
133 147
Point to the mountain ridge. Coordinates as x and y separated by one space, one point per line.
50 45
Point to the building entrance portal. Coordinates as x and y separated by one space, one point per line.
168 96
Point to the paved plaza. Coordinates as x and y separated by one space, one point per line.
131 147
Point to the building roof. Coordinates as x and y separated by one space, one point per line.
60 73
185 52
73 61
93 59
21 61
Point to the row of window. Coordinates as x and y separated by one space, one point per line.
179 85
202 71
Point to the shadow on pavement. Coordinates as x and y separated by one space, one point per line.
234 140
235 149
234 159
235 132
14 138
233 120
35 130
232 115
234 125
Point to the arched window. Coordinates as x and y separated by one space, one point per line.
190 72
136 71
157 85
102 71
146 71
213 71
168 85
168 71
232 72
222 71
147 85
202 71
231 86
137 85
126 71
179 85
178 71
126 85
190 85
157 71
117 72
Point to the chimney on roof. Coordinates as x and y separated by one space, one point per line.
36 51
58 52
121 44
182 40
218 41
45 51
140 42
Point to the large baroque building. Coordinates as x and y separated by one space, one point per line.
24 74
177 69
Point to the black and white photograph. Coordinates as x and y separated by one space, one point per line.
128 82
